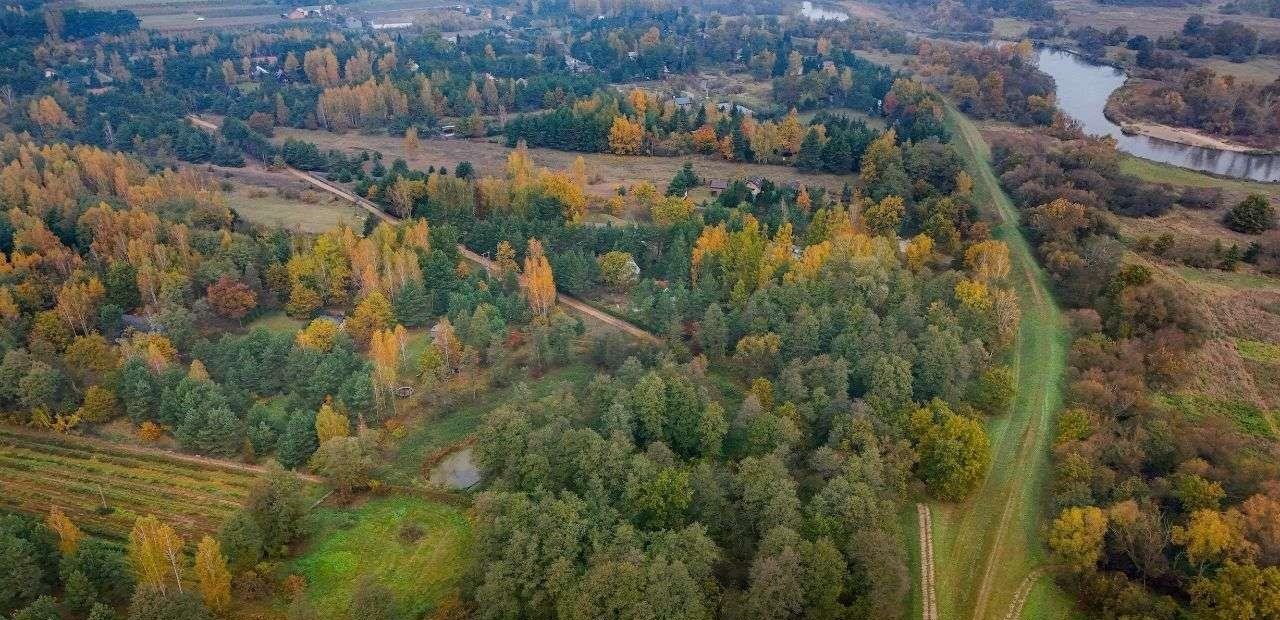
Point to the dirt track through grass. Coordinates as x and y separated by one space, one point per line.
928 581
987 546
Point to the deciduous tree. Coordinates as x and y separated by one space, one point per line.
213 575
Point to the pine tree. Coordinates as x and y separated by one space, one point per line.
713 333
298 442
809 158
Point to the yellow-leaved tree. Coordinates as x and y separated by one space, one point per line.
371 314
539 283
155 551
213 575
331 423
625 136
69 536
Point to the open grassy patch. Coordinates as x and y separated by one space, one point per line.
1261 352
309 211
1247 417
986 546
415 547
277 322
1155 172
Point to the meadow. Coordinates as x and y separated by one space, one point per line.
416 547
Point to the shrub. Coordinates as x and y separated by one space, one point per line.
1254 215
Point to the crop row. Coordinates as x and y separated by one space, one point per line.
105 490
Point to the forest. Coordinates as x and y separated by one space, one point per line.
498 385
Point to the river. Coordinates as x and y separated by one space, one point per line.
1083 88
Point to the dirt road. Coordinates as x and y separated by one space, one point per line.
573 304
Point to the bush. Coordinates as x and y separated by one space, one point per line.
1254 215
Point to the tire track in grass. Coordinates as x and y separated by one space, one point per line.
928 582
988 544
1024 592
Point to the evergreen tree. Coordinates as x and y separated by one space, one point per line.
412 306
1252 216
101 612
122 286
298 442
103 566
42 609
713 334
683 181
241 540
77 593
837 156
809 158
211 430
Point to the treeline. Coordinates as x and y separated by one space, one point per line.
641 123
1206 100
31 22
1036 169
999 81
117 278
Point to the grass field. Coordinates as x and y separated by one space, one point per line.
1155 172
605 172
181 14
37 472
277 322
415 547
987 546
1153 21
314 214
1202 225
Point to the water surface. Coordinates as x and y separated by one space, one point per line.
1083 89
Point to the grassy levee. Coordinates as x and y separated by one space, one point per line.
986 546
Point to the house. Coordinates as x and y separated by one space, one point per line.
717 185
260 72
723 106
683 102
303 12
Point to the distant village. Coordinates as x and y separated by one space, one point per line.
346 18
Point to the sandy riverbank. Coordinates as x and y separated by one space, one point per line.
1189 137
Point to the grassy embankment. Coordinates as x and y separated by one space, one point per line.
987 546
